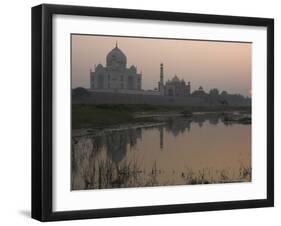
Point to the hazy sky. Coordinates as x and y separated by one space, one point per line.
222 65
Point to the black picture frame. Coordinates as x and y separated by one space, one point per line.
42 107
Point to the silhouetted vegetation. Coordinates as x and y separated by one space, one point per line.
108 174
80 92
102 115
229 118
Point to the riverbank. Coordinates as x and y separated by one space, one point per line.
104 115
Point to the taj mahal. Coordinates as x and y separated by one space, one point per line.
116 77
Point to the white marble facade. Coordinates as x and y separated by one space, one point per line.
115 75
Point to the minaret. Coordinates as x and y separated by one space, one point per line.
161 82
161 74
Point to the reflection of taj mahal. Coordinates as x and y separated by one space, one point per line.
116 77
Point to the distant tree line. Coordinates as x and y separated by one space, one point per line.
215 97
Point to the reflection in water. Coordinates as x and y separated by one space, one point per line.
204 149
161 137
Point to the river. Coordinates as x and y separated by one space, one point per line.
201 149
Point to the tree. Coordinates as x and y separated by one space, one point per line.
224 93
214 92
80 92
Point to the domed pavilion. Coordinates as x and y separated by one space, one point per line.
115 75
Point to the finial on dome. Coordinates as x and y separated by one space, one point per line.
116 45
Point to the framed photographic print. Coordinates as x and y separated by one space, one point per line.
145 112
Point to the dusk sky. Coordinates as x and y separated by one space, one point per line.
222 65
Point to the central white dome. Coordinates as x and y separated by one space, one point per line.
116 58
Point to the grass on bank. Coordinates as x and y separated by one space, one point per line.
84 116
102 115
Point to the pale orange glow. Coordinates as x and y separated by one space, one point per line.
222 65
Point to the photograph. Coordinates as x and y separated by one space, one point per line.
144 112
152 111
